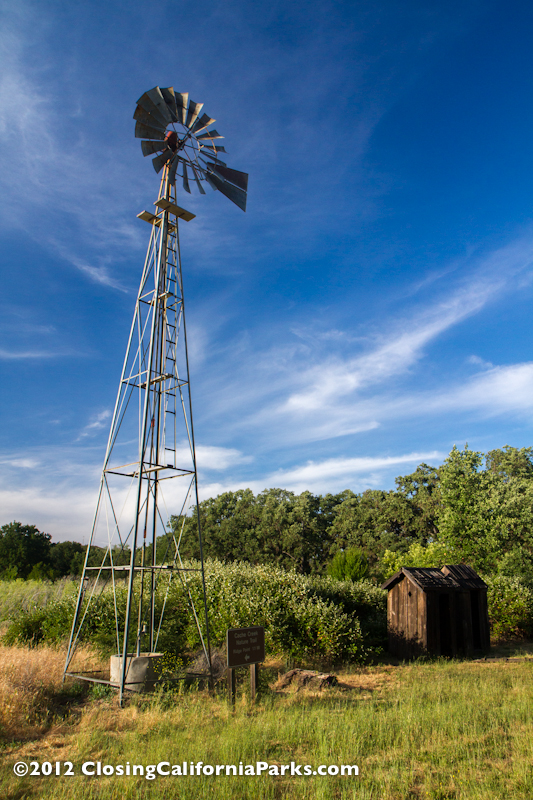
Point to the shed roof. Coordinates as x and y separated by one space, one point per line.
465 575
455 577
425 578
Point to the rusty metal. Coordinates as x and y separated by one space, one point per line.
182 101
203 122
210 135
148 104
233 193
186 179
147 119
154 392
156 374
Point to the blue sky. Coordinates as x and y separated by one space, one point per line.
370 310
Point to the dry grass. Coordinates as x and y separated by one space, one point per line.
31 689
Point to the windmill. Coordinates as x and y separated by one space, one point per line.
172 126
150 456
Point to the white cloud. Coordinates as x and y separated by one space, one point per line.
330 475
218 458
50 173
496 391
309 391
99 421
57 490
14 355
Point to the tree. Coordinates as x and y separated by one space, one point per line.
422 488
376 521
23 548
486 515
228 521
275 527
348 565
66 558
509 462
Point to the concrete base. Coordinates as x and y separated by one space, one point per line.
142 671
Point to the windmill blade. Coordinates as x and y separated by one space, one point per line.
212 148
186 179
172 170
194 110
149 148
147 119
208 155
197 179
181 105
240 179
233 193
146 132
203 122
170 100
159 101
160 161
210 135
151 108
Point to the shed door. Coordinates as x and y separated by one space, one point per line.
445 625
476 620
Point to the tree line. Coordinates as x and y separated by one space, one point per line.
475 507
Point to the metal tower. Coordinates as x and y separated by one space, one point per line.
150 459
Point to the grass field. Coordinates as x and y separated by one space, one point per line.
436 730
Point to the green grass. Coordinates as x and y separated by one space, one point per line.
23 595
437 730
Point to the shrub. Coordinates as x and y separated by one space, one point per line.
304 617
348 565
510 604
27 627
434 554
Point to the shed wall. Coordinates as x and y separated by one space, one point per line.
406 618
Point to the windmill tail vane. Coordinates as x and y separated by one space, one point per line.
170 125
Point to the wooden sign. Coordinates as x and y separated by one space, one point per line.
245 646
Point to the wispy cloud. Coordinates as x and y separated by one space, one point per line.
495 391
56 487
59 494
322 388
15 355
99 422
50 171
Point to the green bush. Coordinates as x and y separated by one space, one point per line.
304 617
348 565
434 554
510 604
27 627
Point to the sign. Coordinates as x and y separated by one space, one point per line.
245 646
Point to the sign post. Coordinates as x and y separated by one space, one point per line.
245 648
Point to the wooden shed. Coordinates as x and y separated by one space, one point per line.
437 612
